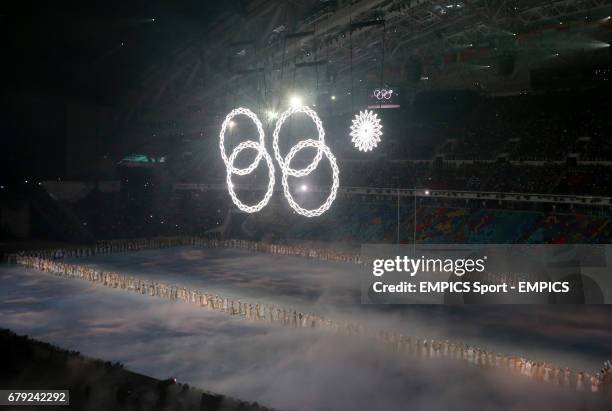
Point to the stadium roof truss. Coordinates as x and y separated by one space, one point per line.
279 40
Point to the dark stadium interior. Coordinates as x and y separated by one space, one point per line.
497 130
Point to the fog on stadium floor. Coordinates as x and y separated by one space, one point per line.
297 369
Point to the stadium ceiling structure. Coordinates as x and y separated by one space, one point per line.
331 47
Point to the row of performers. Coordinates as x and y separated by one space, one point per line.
132 245
294 249
265 312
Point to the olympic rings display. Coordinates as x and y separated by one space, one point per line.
283 162
383 94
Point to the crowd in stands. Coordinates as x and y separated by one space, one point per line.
353 220
525 143
498 176
494 177
586 180
543 128
357 218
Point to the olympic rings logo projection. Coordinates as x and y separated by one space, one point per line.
283 162
383 94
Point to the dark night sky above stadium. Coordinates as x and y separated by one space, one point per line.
95 50
57 53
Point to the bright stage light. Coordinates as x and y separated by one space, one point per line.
261 152
595 45
231 124
366 130
304 187
295 101
285 163
333 97
272 115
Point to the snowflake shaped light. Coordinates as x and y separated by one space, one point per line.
366 130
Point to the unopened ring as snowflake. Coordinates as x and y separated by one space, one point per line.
321 148
366 130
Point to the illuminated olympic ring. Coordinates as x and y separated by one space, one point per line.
284 163
383 94
230 185
286 169
261 152
279 158
225 125
321 148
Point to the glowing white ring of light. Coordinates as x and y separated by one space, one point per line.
230 185
279 123
321 148
284 163
366 130
261 152
225 125
286 169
